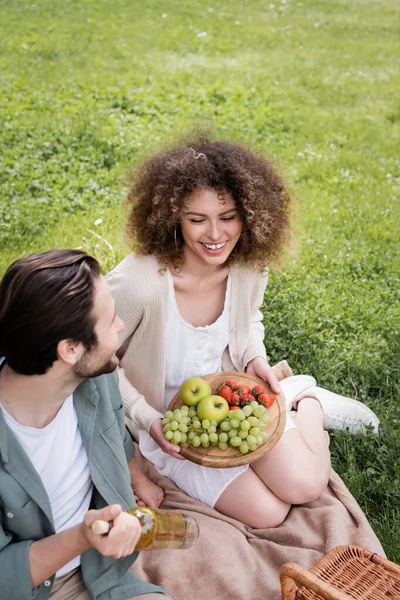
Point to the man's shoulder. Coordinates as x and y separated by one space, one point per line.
107 388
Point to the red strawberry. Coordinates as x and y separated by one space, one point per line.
230 383
235 399
234 407
257 390
266 400
242 389
247 398
225 392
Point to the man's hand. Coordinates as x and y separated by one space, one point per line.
260 368
156 432
124 534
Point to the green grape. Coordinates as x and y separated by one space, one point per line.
251 440
192 411
205 444
205 424
184 437
191 435
185 445
213 437
254 404
231 414
185 410
259 440
235 423
255 431
204 438
169 414
239 415
196 441
243 434
186 420
253 421
169 435
265 418
214 423
244 447
178 415
212 429
165 421
247 410
253 447
174 425
235 441
166 428
232 433
225 426
263 435
245 425
182 427
196 424
223 437
223 446
177 437
259 412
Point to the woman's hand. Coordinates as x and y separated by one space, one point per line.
156 432
260 368
148 494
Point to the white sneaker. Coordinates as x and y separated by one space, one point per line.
339 412
344 413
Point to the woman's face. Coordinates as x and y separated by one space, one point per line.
211 226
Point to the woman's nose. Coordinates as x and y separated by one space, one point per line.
214 231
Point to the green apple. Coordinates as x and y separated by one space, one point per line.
213 408
194 390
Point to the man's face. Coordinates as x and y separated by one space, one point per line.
101 358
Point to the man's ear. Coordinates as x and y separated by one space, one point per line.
69 351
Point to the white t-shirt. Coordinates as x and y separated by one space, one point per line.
58 455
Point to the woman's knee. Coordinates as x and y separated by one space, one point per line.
265 517
306 489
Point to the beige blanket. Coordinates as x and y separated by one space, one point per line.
231 561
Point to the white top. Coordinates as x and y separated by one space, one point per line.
190 352
58 455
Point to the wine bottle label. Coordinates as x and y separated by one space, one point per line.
146 521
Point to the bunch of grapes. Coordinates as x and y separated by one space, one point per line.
242 428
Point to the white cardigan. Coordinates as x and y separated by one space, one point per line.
140 292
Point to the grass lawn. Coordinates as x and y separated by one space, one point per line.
87 87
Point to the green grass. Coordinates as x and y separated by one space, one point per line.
88 87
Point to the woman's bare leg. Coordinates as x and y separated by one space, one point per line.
297 469
248 500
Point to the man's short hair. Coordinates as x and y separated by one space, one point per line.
45 298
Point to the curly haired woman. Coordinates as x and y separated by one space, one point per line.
206 220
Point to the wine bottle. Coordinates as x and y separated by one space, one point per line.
161 529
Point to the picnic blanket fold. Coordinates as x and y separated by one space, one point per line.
231 561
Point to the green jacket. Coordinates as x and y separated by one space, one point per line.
25 512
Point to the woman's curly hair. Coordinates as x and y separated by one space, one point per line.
160 187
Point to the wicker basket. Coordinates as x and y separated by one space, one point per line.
345 573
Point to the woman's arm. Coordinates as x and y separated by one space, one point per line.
255 356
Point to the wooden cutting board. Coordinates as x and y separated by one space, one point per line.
213 456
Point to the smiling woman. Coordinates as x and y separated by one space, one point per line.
207 219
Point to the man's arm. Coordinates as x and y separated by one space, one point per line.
27 564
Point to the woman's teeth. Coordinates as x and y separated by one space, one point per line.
214 246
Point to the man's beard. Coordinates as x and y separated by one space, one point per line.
86 368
